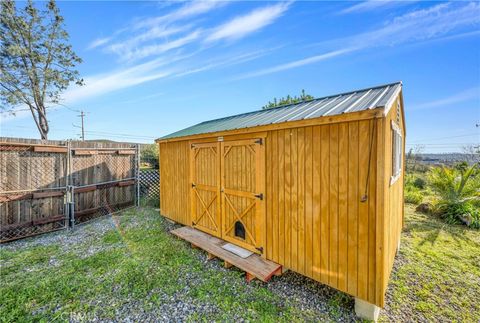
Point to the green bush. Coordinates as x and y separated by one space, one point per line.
419 183
413 196
460 213
457 190
149 155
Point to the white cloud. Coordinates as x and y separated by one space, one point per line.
297 63
190 9
98 42
100 84
138 38
420 25
156 48
466 95
125 48
231 60
374 5
243 25
417 26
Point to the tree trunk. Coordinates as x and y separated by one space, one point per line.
43 126
42 123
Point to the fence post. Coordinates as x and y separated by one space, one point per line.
137 175
72 207
70 187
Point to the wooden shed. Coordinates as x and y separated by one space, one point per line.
316 187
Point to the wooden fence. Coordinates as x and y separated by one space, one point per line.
50 185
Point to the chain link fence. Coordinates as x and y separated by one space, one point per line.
52 185
103 181
33 183
149 177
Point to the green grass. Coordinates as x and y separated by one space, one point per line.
436 277
438 274
138 262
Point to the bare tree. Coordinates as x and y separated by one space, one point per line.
414 155
472 153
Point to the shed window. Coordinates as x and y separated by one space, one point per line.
239 230
396 153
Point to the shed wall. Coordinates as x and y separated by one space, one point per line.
175 181
394 203
316 223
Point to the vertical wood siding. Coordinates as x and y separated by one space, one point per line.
316 222
175 181
393 208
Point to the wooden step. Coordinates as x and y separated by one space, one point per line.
255 266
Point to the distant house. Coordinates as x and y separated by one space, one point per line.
316 187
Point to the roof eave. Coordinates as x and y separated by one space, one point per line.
374 112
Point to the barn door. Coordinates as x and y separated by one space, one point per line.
205 193
242 193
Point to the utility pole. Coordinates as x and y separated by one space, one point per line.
82 115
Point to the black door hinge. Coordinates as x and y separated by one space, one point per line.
259 249
193 223
193 185
259 141
259 196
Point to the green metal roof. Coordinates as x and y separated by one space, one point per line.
349 102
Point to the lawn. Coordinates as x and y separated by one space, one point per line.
130 268
436 274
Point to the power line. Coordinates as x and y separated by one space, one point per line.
441 138
113 134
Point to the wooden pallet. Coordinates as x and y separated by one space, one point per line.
254 265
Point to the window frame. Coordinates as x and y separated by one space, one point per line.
397 153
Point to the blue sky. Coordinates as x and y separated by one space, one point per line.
152 68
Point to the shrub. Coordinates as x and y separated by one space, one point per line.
458 190
413 196
460 213
419 183
149 155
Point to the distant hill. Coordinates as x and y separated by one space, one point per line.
447 158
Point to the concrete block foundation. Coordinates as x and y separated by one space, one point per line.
366 310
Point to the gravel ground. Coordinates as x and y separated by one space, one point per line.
314 301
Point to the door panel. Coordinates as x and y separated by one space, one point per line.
205 193
242 199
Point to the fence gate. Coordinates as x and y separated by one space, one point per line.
103 181
51 185
33 186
